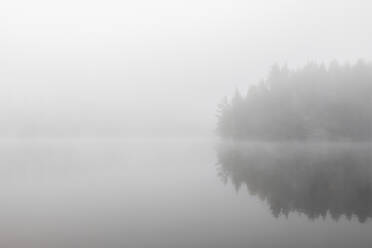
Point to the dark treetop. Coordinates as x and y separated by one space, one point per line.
315 102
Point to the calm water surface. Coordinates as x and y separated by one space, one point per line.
184 193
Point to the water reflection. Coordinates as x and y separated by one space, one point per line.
313 179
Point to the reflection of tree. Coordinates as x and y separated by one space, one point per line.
315 180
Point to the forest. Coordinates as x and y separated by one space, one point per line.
315 102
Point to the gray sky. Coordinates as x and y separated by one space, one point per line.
163 64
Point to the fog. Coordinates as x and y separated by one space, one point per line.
144 68
186 124
184 193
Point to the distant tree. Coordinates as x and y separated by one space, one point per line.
314 102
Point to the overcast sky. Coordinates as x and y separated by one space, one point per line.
160 63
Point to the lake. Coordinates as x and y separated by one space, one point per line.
184 193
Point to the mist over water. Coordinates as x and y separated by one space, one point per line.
184 124
166 193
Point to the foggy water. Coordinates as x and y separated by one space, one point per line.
184 193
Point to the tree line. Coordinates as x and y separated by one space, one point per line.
317 101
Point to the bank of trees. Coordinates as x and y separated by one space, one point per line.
332 102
